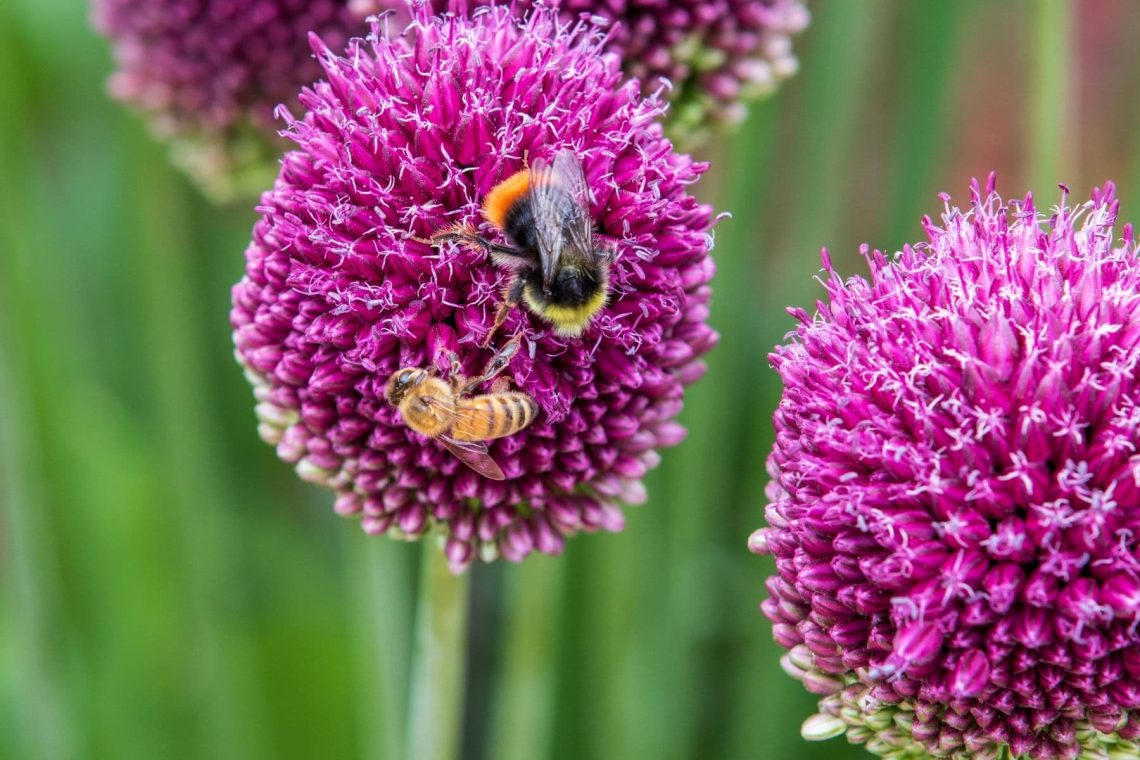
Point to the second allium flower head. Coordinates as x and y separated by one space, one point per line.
956 479
406 136
716 55
209 74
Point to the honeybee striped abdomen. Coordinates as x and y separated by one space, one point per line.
495 415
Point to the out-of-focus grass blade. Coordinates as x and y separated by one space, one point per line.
609 615
197 497
1050 107
929 45
34 639
807 190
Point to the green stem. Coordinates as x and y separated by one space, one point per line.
383 579
439 669
524 700
1050 107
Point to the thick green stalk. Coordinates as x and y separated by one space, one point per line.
439 670
382 578
524 698
1051 107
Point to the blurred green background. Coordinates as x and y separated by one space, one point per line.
169 589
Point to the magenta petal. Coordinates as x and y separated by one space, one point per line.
971 676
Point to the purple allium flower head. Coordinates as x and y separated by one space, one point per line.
955 502
406 137
209 73
716 54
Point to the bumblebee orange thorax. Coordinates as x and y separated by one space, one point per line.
504 196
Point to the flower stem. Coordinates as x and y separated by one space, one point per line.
439 668
383 575
524 701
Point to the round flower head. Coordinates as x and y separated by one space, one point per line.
715 55
955 503
406 138
210 72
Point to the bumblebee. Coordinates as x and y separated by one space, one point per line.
560 273
443 410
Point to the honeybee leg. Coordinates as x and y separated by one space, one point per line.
498 363
501 385
457 378
512 297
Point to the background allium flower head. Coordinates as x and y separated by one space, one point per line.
209 73
716 54
406 136
955 504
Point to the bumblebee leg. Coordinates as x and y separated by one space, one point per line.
512 297
471 239
497 364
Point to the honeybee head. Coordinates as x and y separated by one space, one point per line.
401 381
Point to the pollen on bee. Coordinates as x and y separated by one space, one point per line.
504 195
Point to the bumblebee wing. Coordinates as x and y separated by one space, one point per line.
578 226
560 203
475 455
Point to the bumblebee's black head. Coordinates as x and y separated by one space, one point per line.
401 382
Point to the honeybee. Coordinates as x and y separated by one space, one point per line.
560 273
443 410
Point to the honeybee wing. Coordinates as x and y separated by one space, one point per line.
475 455
445 409
560 201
